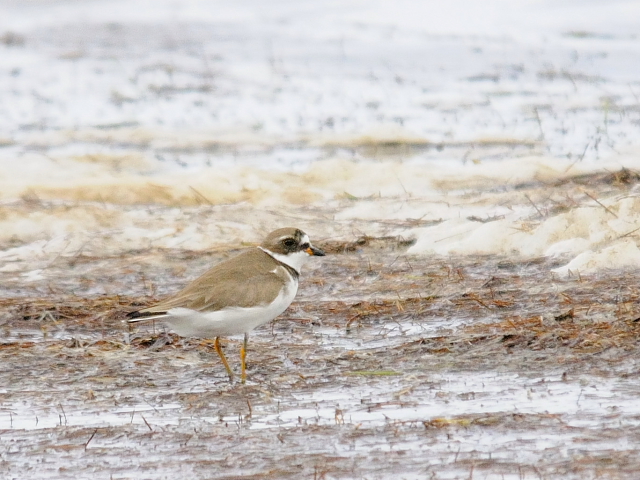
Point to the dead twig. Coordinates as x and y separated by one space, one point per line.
90 438
598 202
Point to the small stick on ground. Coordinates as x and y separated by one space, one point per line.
534 205
90 438
146 423
598 202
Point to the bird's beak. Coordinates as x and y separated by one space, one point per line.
315 251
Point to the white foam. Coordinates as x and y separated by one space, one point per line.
624 254
594 232
134 147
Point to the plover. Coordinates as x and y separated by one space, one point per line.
239 294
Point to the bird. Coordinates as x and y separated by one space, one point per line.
239 294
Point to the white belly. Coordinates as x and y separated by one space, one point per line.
230 321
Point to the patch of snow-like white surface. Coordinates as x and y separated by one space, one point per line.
127 119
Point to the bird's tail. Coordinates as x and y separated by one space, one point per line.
142 316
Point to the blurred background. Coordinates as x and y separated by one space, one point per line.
127 125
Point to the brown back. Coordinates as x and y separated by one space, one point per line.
246 280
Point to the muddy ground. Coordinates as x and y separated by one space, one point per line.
385 366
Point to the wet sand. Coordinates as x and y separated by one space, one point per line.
385 365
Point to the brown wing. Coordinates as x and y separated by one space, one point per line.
239 282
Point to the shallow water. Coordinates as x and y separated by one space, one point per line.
351 388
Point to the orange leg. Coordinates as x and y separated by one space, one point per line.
223 358
243 357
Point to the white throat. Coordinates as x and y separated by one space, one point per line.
294 260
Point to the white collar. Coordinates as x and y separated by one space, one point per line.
294 260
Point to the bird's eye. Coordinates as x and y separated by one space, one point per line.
289 243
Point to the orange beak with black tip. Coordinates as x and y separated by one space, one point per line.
315 251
